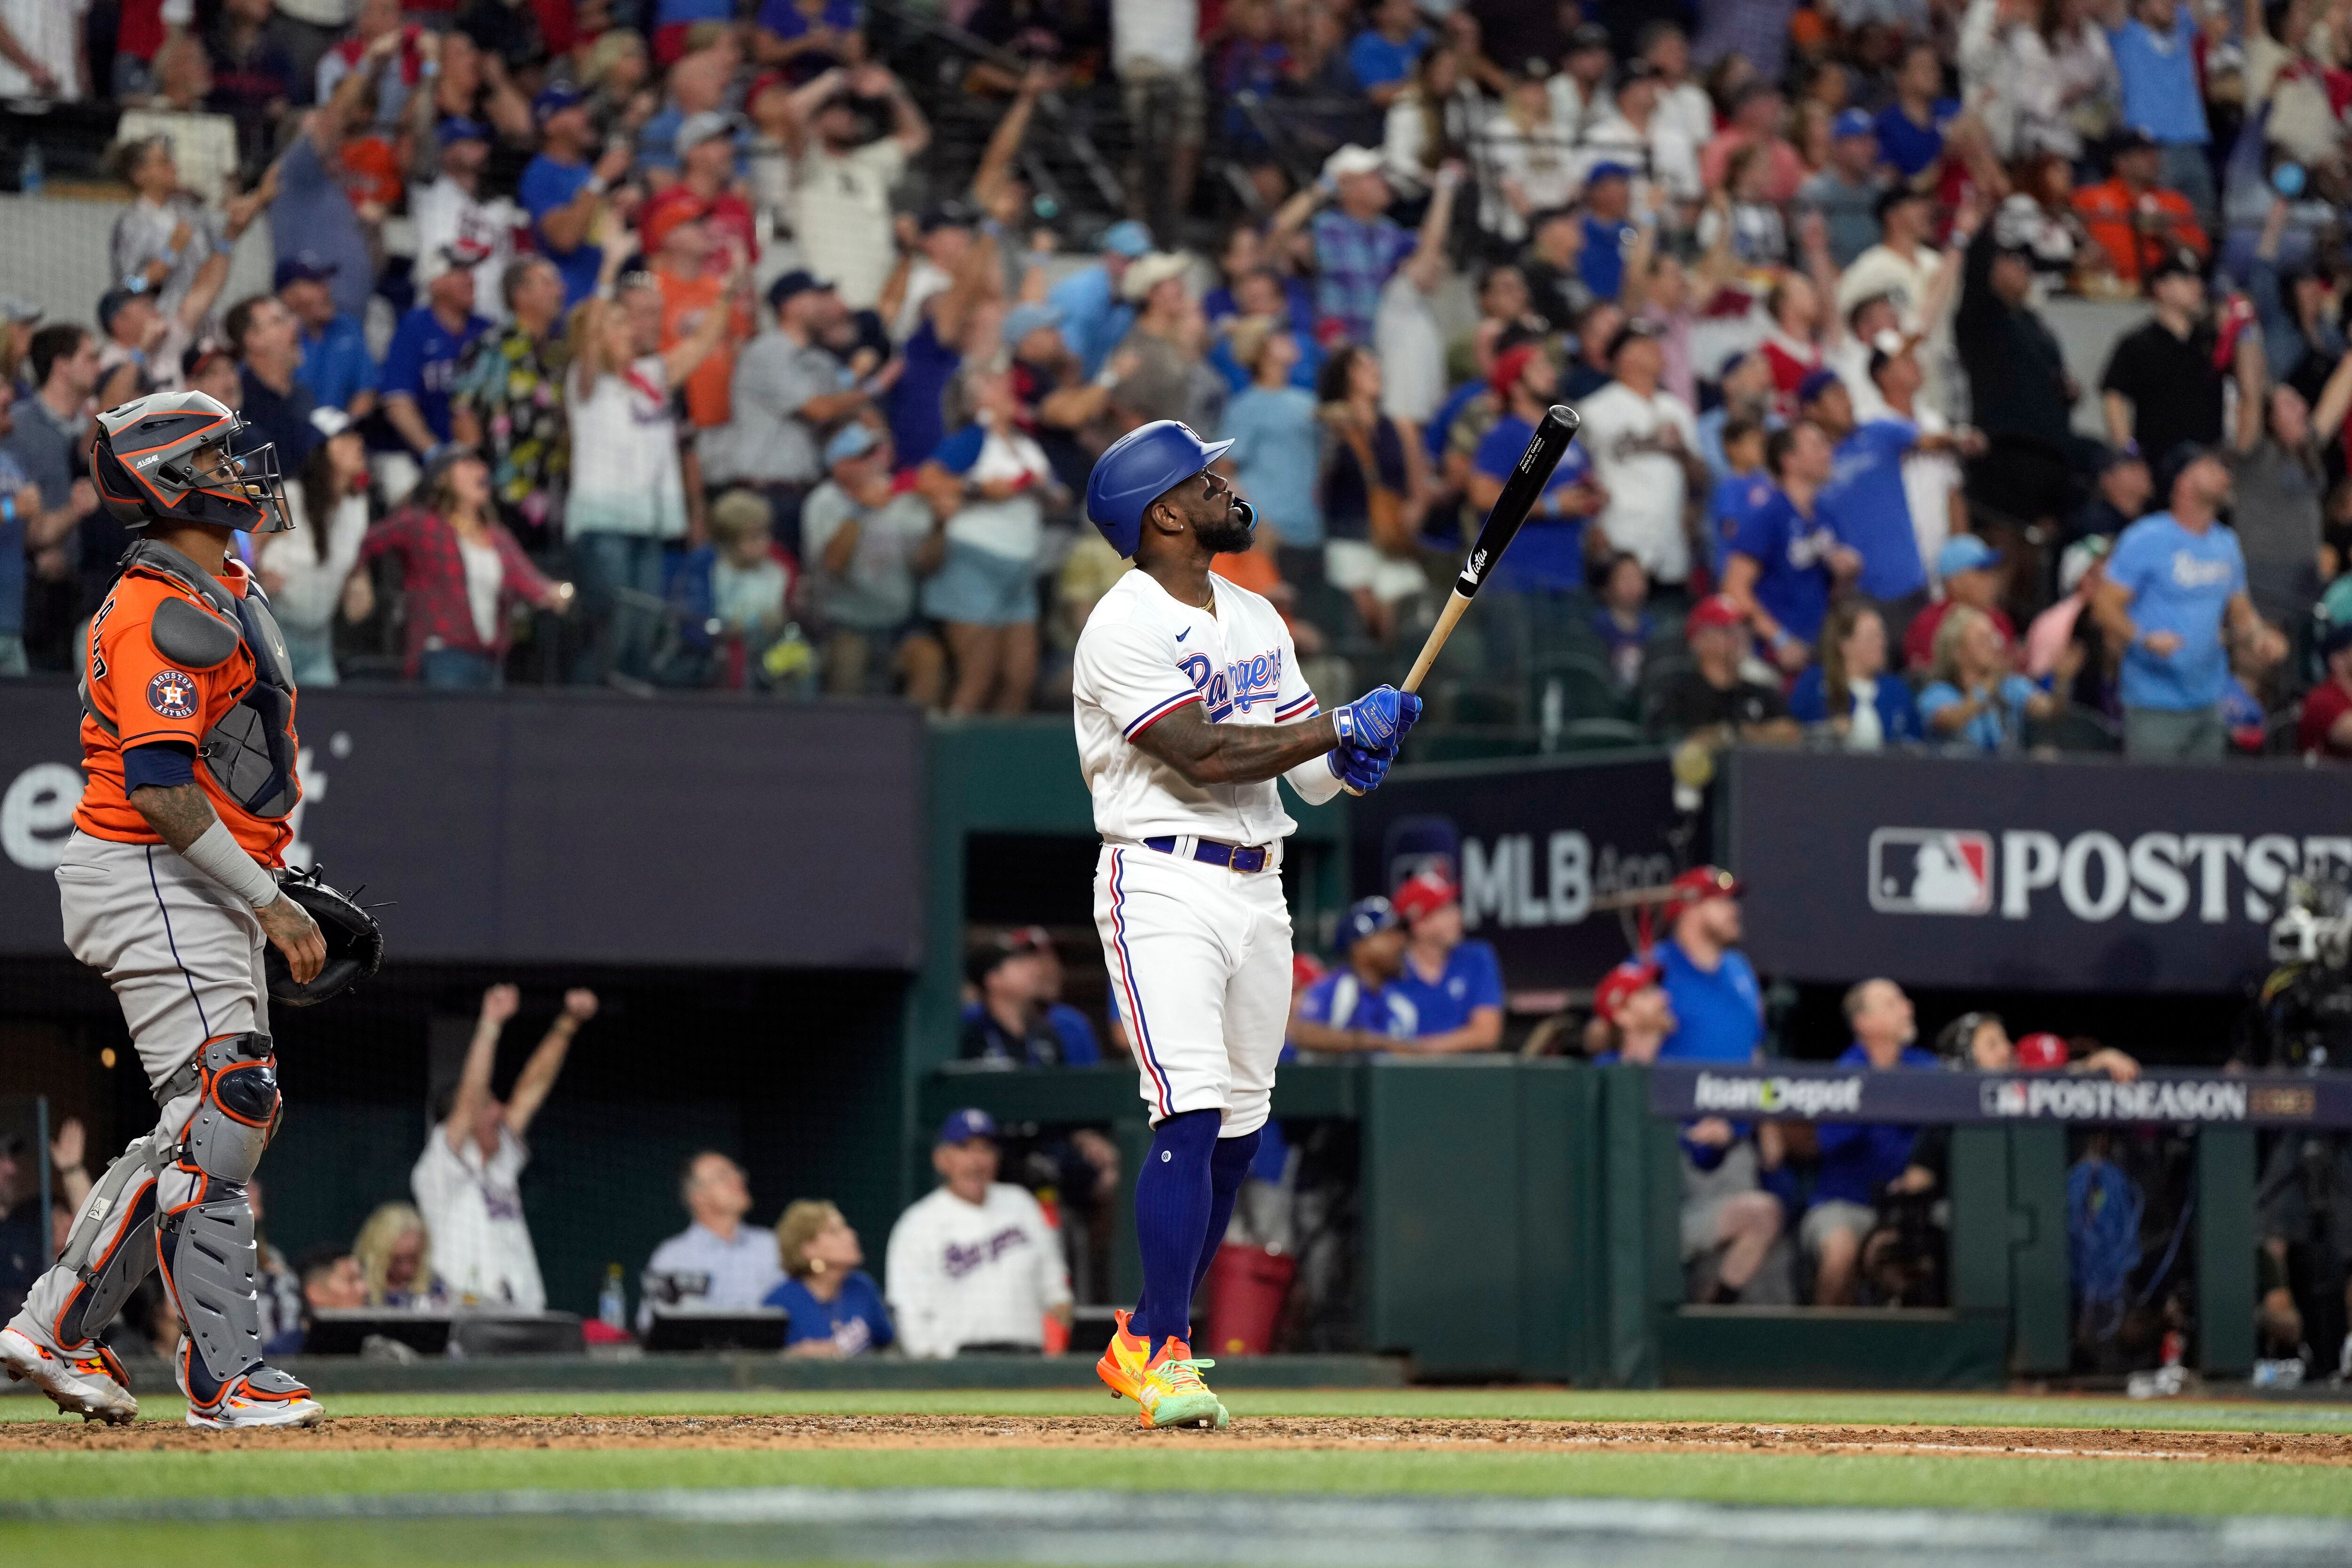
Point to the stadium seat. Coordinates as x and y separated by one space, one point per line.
1579 684
1595 735
2075 728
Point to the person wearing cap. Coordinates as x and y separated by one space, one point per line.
1548 558
2155 47
2165 379
2061 645
788 390
1382 56
975 1266
1860 1161
841 183
2173 584
1012 1024
306 571
2137 223
865 545
1846 190
1719 1006
334 365
143 342
1866 498
1714 701
1901 267
693 264
456 226
2119 495
1356 1008
1645 445
1638 133
420 367
2021 393
1094 308
1358 246
706 184
1787 559
1454 986
2324 727
564 192
1609 230
1979 1042
1970 572
508 401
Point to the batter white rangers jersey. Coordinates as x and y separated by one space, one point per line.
1144 655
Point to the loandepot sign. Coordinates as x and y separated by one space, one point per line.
1923 1097
1778 1096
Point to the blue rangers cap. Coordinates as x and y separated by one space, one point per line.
963 1126
1139 468
1365 917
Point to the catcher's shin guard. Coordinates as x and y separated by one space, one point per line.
113 1242
205 1241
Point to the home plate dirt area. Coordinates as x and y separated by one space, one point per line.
1112 1430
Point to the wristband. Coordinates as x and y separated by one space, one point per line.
8 509
1106 378
219 856
595 186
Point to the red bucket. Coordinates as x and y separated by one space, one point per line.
1247 1286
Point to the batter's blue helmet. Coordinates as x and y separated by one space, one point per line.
1140 467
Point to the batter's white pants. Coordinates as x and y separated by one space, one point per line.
1200 962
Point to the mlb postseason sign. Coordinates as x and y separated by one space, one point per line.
2090 874
1533 846
1789 1091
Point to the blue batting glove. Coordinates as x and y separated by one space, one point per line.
1359 772
1378 719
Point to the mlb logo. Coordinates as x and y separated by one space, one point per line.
1930 871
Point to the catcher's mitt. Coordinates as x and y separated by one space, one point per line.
354 943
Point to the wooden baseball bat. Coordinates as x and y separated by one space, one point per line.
1544 448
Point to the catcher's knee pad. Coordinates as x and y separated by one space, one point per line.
211 1263
234 1119
113 1242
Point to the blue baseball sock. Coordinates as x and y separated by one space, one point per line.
1228 1169
1173 1197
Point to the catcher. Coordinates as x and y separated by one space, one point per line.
172 886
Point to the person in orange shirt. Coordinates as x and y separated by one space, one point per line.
2134 220
690 267
168 885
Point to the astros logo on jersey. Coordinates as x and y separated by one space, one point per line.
172 694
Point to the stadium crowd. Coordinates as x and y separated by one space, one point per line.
662 342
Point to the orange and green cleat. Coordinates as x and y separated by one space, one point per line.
1122 1364
1172 1393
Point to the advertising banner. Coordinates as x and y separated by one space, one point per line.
1814 1092
558 826
2083 875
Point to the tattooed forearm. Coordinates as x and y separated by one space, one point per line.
179 814
1206 753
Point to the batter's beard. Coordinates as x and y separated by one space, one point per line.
1229 535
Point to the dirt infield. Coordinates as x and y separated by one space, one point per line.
1114 1431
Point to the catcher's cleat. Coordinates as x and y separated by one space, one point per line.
257 1396
1122 1364
91 1384
1172 1393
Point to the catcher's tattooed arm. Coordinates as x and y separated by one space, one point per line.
180 815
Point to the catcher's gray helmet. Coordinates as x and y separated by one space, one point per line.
176 457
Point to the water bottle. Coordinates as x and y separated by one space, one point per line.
612 1304
30 172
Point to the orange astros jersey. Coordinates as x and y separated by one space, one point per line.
148 697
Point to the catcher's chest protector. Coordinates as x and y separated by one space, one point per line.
250 752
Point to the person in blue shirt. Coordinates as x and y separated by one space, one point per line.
1847 687
1718 1005
2172 582
1548 556
1911 129
1271 422
1977 700
1455 986
1609 232
1865 496
562 192
336 365
1019 1019
420 368
837 1308
1356 1007
1748 392
1260 295
1786 559
1383 55
1861 1161
2156 61
1743 488
1094 317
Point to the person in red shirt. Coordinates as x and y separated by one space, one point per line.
2134 220
2326 727
706 184
1969 570
1793 348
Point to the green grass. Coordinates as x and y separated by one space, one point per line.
1427 1403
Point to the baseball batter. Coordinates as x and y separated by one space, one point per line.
167 885
1189 706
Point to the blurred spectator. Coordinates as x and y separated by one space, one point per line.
1356 244
1374 490
315 208
1911 127
1846 190
393 1252
262 335
2172 582
1434 119
1756 118
1093 309
1979 1042
2163 380
1861 1161
1356 1006
456 227
2018 382
305 572
1639 133
42 438
628 493
717 1264
507 402
1787 559
841 184
697 277
2156 53
2139 225
835 1308
378 46
2325 728
334 366
975 1266
466 1178
1865 494
2119 496
564 193
950 316
1382 56
788 390
332 1282
1714 699
1529 165
255 78
1155 49
1406 335
1900 267
866 544
1541 580
278 1292
166 245
1664 47
2296 306
1719 1007
809 35
1645 445
420 368
1622 621
1972 575
466 80
1454 987
699 84
462 575
1271 422
989 482
1848 687
2058 629
730 597
1931 474
1012 1025
1974 697
2278 466
1551 265
42 53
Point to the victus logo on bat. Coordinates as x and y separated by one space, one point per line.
2154 879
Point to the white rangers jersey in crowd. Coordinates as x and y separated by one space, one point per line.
973 1274
1144 655
473 1211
